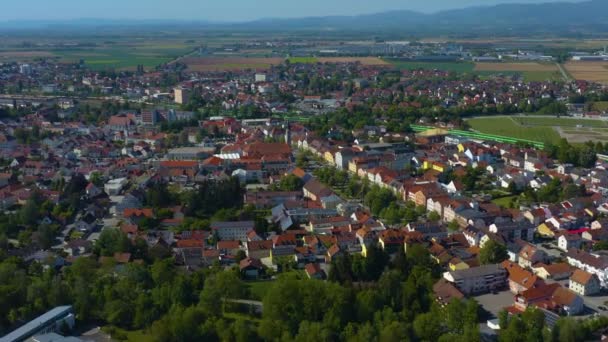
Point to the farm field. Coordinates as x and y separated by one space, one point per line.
529 70
120 55
229 63
589 71
549 129
462 67
362 60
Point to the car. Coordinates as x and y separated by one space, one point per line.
603 308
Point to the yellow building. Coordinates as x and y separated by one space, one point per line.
545 230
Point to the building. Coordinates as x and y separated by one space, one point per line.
52 321
584 283
591 263
182 95
232 230
477 280
115 186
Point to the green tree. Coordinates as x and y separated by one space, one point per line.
493 252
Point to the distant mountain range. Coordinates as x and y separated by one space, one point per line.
551 17
588 18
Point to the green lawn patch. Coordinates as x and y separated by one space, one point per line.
561 122
504 201
302 60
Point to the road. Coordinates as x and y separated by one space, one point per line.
564 73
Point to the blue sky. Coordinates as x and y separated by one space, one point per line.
218 10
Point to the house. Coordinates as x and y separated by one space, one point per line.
584 283
314 271
559 271
530 255
550 297
251 268
520 280
568 241
258 249
232 230
228 247
445 291
594 264
476 280
314 190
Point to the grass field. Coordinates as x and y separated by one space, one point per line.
600 105
203 64
362 60
531 72
589 71
561 122
509 128
549 129
303 60
461 67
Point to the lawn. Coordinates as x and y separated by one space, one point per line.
504 201
505 126
460 67
302 60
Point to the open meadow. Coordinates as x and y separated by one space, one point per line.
542 129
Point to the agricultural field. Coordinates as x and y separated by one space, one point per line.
542 129
529 70
589 71
460 67
120 55
202 64
362 60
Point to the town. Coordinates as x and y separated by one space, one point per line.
339 197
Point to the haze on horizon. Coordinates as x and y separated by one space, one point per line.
222 11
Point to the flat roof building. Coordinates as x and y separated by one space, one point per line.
46 323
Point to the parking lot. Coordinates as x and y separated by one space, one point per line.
494 303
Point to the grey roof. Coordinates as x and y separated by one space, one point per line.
480 271
53 337
31 327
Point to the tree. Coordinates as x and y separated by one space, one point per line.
493 252
434 216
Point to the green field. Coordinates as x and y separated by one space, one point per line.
543 129
303 60
504 201
461 67
561 122
507 127
124 56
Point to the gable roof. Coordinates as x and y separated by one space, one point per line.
581 277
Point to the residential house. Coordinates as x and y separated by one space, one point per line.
584 283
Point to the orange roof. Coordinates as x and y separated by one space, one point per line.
519 275
581 277
146 212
